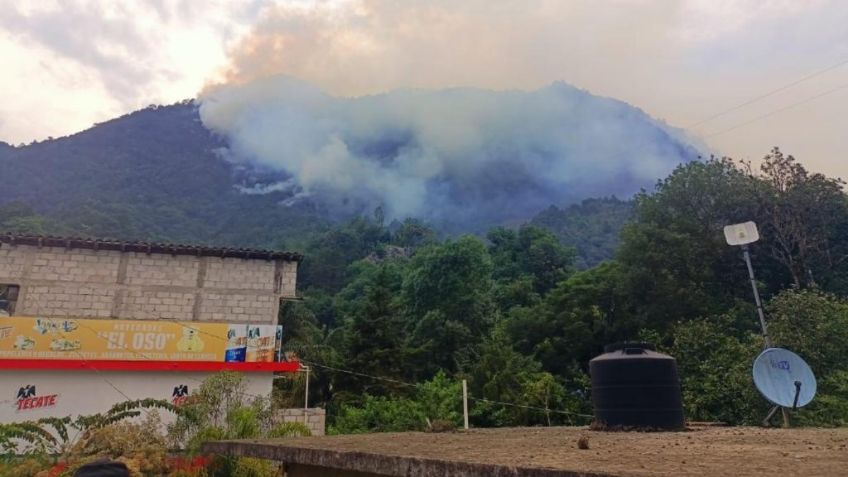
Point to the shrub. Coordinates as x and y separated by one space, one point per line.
289 429
715 371
379 414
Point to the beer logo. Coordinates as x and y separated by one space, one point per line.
28 399
180 395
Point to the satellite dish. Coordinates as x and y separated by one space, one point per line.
741 234
783 378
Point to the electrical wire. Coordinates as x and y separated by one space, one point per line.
99 374
470 397
534 408
86 363
308 363
770 93
776 111
355 373
255 396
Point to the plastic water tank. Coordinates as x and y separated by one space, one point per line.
633 386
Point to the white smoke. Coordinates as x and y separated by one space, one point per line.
460 154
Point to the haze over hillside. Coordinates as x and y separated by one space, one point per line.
460 158
283 159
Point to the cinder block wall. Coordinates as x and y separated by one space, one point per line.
59 282
314 418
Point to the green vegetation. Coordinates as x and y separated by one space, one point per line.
517 317
518 313
592 227
155 174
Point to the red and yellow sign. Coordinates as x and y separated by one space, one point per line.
133 340
27 399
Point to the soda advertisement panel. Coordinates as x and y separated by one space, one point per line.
261 343
133 340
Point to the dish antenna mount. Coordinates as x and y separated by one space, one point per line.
742 235
784 379
781 376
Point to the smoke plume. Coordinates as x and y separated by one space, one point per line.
459 155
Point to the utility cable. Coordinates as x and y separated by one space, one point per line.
87 363
770 93
309 363
776 111
355 373
379 378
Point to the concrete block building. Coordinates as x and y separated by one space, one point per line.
63 299
61 278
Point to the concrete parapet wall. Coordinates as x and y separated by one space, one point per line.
314 418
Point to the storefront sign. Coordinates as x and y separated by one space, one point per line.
135 340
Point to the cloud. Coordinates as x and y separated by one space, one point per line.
681 60
68 64
372 46
463 155
105 39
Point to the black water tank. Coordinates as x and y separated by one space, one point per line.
633 386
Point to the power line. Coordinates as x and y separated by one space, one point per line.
88 364
772 113
770 93
97 371
535 408
309 363
355 373
490 401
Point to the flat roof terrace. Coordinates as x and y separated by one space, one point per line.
553 452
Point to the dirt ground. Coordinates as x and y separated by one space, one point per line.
719 451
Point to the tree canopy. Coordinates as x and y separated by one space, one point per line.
515 314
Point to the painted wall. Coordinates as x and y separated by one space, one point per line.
73 393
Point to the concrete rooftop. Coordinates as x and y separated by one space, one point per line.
550 452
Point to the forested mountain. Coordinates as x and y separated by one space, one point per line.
463 159
153 174
161 174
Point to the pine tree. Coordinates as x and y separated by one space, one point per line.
374 344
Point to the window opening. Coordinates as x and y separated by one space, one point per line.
8 298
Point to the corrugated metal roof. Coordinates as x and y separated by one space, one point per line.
147 247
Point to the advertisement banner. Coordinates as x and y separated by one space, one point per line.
261 343
131 340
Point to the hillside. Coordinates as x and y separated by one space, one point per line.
234 171
464 159
592 227
153 174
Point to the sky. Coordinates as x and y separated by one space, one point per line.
66 65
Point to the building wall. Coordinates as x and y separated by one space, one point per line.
74 390
82 283
313 418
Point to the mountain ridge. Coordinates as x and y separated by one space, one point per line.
162 174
